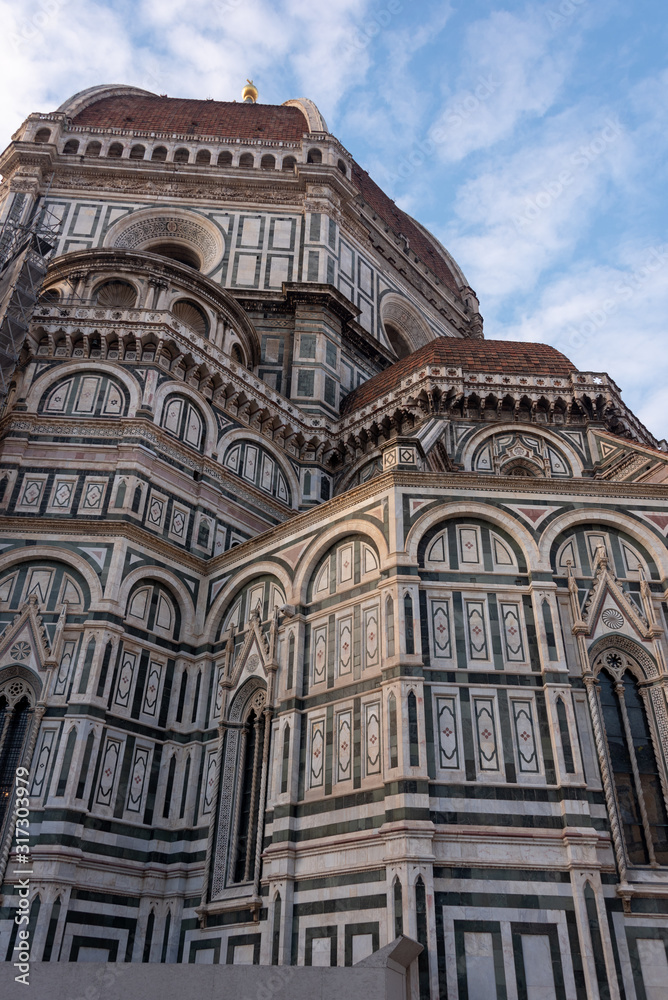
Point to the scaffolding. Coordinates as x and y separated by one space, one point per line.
25 249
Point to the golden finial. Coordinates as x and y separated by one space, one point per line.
249 93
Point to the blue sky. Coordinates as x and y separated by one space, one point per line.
531 138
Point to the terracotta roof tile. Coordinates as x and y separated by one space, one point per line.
495 356
275 122
227 119
402 223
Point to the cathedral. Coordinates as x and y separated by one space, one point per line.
325 620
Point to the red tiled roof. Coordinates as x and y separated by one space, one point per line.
402 223
232 120
227 119
495 356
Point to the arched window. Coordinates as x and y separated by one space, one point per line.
247 161
258 466
225 158
314 156
148 940
61 787
289 163
565 734
93 148
179 252
244 775
85 764
635 770
169 788
182 696
71 147
413 734
192 314
182 418
165 936
51 930
276 932
115 295
397 894
399 344
409 631
181 155
393 730
421 928
115 151
184 790
42 135
244 859
342 167
285 759
136 500
237 355
549 632
389 625
137 152
159 154
152 608
291 661
15 714
88 662
203 157
198 685
268 162
104 670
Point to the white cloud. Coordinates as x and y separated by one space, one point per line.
515 67
526 209
53 48
611 319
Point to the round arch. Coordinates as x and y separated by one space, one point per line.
228 592
152 227
65 556
628 645
44 382
398 314
176 387
248 434
180 593
537 430
18 672
312 556
238 705
616 519
479 511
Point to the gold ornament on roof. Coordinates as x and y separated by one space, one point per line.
249 93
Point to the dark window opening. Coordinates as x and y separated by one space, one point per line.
394 742
12 749
250 800
408 624
169 789
398 342
178 252
564 732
